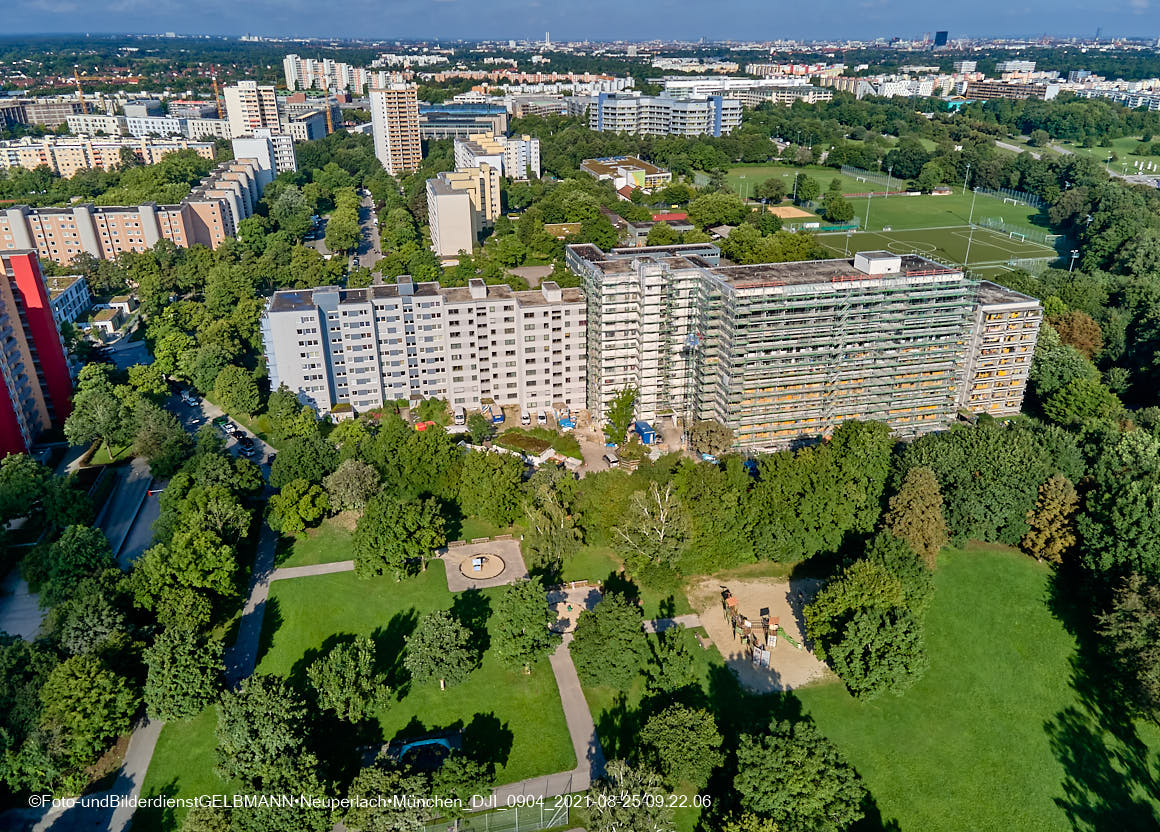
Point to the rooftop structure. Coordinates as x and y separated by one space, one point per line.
628 171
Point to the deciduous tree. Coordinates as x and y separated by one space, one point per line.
440 648
520 633
609 646
297 506
683 744
346 682
185 673
1052 521
916 514
396 537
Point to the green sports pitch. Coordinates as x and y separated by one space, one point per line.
991 252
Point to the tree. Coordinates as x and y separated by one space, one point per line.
464 779
306 458
1120 525
1131 632
297 506
609 646
194 564
82 551
236 391
1038 138
161 439
771 190
655 526
395 536
662 234
520 632
1052 521
85 706
372 814
261 734
1078 329
836 208
479 427
708 436
798 779
717 208
185 673
206 819
552 534
916 514
98 410
621 411
805 189
352 484
88 622
346 682
673 668
490 486
440 648
683 744
1082 399
611 812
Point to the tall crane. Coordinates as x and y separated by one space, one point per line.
326 105
216 95
80 92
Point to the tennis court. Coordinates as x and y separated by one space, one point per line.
991 252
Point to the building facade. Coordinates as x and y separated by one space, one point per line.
69 295
250 107
456 223
783 352
661 115
35 385
395 123
207 216
628 171
66 155
455 119
516 157
367 347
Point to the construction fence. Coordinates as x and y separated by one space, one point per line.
547 815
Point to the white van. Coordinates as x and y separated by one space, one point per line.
460 416
611 459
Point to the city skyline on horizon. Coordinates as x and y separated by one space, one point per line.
600 20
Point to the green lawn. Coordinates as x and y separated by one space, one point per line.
743 179
521 715
106 456
329 543
972 745
599 563
182 765
1125 150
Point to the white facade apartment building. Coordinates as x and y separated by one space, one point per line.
395 124
366 347
250 107
516 157
661 115
459 206
307 73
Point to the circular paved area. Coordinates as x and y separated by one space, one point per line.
482 567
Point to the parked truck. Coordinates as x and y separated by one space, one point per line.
493 412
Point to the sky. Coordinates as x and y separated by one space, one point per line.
580 19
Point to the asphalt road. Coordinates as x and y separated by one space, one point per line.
369 245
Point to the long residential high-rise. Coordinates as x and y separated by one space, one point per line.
516 157
249 107
364 347
35 386
460 205
395 124
660 115
785 351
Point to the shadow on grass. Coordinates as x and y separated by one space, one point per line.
390 645
155 818
472 609
272 621
1109 771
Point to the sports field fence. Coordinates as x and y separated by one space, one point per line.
1012 195
1022 232
870 176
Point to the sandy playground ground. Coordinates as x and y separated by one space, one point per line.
789 667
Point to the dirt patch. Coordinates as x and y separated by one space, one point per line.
346 519
789 667
789 212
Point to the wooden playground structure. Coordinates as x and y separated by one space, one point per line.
758 636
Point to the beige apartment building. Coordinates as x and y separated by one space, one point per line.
250 107
1002 345
207 216
67 155
460 204
395 124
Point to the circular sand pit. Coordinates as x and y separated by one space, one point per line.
482 567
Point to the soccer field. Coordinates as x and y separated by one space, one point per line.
991 252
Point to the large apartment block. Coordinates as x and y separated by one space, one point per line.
250 107
35 386
661 115
459 205
207 216
395 124
785 351
516 157
366 347
66 155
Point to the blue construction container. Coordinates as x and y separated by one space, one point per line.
646 433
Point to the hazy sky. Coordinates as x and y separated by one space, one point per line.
603 19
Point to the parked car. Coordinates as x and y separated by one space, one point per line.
246 446
541 418
611 459
525 418
460 416
354 263
188 398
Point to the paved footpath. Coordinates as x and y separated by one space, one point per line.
659 625
241 658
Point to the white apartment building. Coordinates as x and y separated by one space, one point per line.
250 107
155 126
274 153
513 156
308 73
395 124
92 125
207 128
366 347
661 115
69 295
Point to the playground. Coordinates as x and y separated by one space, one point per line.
757 626
991 251
483 564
